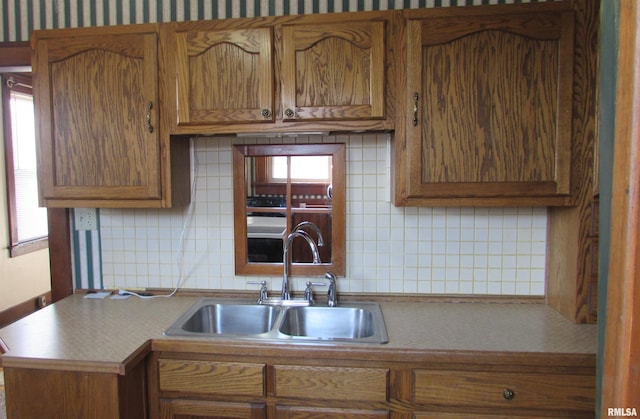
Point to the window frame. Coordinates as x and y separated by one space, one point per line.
16 56
16 247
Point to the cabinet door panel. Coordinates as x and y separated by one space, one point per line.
333 71
96 102
224 76
490 106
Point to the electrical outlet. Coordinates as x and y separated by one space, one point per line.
86 219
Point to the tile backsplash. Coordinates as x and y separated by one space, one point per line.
497 251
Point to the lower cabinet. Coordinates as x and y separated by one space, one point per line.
47 393
275 385
208 388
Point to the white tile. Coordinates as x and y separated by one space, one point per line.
427 250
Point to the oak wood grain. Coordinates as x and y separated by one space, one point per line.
621 372
224 76
531 391
490 113
99 143
333 71
298 412
211 377
185 409
331 383
570 287
35 393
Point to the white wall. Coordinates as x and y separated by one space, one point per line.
498 251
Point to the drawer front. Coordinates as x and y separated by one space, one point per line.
332 383
211 377
297 412
177 408
507 390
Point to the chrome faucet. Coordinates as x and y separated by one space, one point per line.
314 227
286 258
332 293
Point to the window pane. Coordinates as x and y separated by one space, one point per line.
303 168
32 220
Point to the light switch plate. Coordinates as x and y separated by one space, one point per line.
86 219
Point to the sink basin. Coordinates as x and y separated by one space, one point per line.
214 318
210 317
328 322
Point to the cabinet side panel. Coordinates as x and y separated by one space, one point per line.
62 394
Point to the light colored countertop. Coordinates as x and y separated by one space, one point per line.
105 335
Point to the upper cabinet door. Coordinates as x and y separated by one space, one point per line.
488 109
224 76
97 113
333 71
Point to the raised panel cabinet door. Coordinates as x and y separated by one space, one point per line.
333 71
489 102
97 111
224 76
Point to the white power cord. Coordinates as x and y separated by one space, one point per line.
185 227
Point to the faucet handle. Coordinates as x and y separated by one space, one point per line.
308 292
263 290
332 292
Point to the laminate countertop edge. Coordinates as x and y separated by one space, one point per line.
105 335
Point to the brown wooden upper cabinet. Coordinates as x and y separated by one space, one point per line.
487 109
333 71
224 76
98 137
288 73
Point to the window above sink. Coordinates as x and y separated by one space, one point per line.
278 186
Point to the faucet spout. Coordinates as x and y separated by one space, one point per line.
286 258
314 227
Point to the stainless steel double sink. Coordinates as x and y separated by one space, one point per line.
230 318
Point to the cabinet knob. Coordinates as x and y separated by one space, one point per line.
508 394
289 113
266 113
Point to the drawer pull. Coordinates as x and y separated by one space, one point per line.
508 394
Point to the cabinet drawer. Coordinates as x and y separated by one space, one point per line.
481 389
331 383
298 412
211 377
211 410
